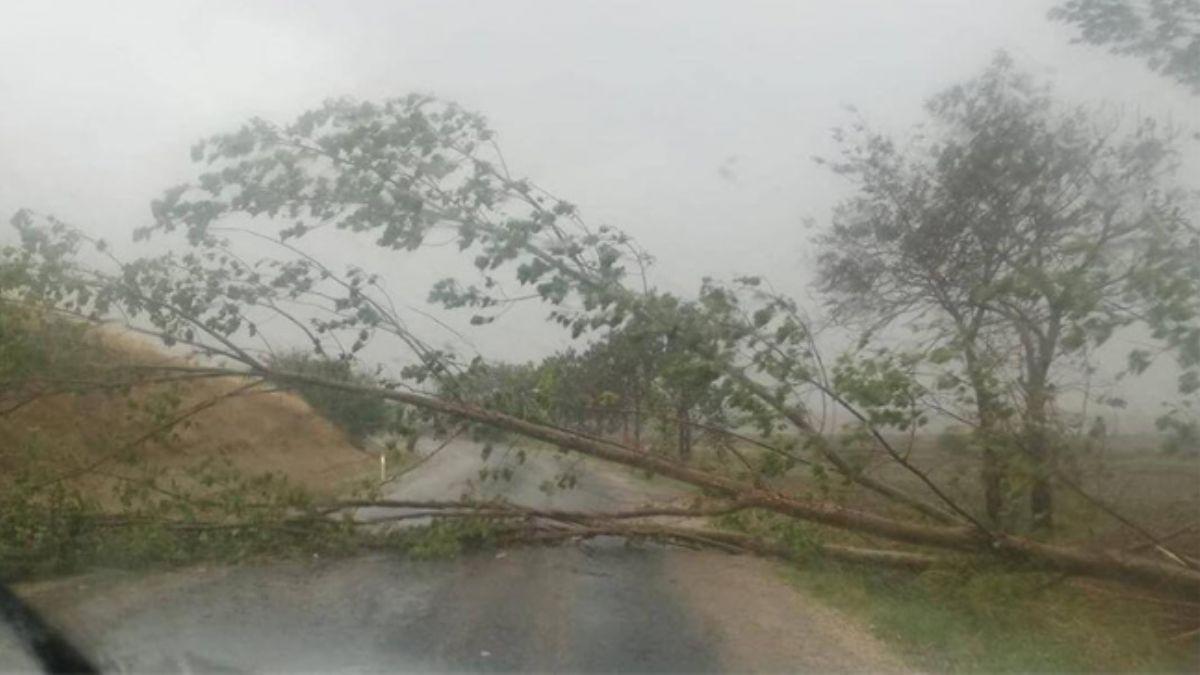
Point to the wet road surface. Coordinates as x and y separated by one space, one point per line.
597 606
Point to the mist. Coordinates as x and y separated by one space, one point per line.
600 336
692 126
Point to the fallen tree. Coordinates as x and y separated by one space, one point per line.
1116 565
509 523
403 170
1104 564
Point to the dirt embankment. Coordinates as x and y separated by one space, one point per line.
256 431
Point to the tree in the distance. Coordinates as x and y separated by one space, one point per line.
1016 226
359 416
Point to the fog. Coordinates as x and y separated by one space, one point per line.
690 125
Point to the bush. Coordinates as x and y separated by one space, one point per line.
36 344
358 415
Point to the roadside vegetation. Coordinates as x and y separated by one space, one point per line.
134 471
937 420
992 621
359 416
965 617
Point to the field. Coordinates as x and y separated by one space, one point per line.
991 620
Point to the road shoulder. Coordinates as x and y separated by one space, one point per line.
764 624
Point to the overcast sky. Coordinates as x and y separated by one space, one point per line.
690 124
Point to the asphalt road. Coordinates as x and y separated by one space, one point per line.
596 606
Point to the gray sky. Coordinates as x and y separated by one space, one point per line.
689 124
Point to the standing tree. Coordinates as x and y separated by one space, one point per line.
358 416
1166 34
1163 33
658 363
665 355
1016 225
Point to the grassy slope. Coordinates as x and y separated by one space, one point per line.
257 433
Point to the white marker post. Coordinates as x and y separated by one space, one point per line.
382 467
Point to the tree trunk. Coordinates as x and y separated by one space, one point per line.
1041 452
992 473
1042 490
992 466
637 421
685 434
1065 559
625 438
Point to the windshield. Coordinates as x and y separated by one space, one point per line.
600 336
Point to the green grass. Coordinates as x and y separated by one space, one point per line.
999 622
